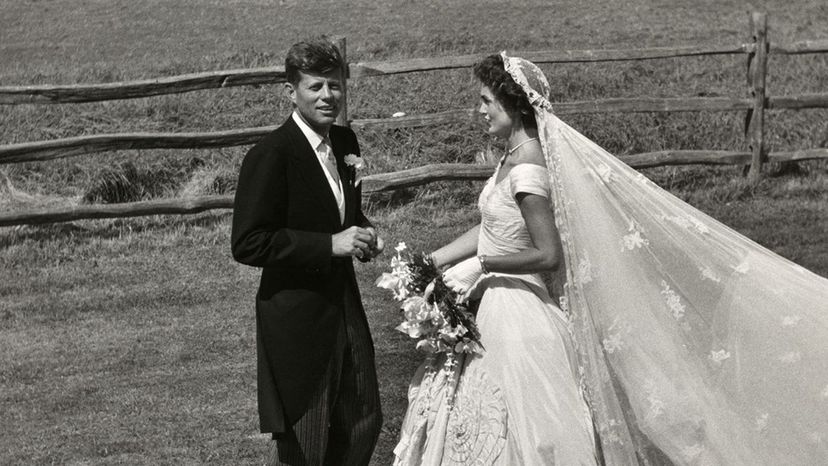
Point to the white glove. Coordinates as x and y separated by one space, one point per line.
463 275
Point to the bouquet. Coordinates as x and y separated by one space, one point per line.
439 317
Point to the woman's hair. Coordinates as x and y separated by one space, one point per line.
317 55
493 75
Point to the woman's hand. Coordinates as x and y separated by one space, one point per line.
462 276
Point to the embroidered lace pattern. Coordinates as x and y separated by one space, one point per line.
692 340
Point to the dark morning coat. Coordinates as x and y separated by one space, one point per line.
283 218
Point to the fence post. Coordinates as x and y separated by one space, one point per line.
342 118
757 71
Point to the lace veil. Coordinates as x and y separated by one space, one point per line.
695 344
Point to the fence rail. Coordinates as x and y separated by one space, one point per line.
805 46
75 93
132 209
83 145
384 182
754 104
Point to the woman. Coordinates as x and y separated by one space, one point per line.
694 345
519 402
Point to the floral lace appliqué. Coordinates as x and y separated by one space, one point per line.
700 227
790 321
762 422
743 268
791 357
692 452
604 172
709 274
613 342
688 222
639 177
609 431
516 67
656 407
633 240
719 356
673 300
583 274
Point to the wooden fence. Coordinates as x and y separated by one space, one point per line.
754 104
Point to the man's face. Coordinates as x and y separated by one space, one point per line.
317 98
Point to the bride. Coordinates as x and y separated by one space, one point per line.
678 341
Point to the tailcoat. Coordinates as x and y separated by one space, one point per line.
283 219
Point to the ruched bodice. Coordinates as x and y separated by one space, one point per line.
502 228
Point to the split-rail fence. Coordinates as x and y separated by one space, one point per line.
755 103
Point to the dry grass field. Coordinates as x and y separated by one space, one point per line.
132 341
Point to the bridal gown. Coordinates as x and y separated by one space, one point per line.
519 402
695 345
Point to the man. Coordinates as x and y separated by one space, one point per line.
298 215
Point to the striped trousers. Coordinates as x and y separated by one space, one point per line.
343 421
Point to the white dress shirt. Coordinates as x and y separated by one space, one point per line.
322 150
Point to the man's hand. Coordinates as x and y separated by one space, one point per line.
377 244
354 241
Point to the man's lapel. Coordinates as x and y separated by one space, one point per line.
311 172
346 174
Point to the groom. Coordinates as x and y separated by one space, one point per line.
297 215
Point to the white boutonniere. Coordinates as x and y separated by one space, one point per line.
354 161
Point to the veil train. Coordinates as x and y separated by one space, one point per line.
695 343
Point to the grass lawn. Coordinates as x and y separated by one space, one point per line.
132 341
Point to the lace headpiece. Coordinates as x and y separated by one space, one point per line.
530 78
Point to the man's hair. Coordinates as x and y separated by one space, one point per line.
492 73
317 55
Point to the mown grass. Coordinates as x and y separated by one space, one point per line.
132 341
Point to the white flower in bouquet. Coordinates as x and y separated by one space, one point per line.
398 279
451 334
434 314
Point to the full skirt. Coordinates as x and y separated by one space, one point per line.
517 403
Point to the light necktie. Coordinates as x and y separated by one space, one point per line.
330 161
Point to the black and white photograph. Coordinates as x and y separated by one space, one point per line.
414 232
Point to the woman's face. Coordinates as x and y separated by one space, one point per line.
500 121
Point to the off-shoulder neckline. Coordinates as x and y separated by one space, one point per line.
497 173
